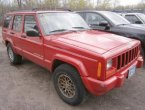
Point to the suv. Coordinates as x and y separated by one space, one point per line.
81 60
114 23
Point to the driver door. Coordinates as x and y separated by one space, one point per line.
32 46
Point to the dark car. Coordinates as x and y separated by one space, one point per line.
114 23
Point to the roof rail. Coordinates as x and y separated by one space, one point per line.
44 9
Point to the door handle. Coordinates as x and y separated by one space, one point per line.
23 36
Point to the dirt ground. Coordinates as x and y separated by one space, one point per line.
29 87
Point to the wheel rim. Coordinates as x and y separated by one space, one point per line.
11 54
66 86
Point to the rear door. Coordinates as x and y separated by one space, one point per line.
6 26
16 32
32 46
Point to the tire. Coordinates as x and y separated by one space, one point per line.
13 57
73 83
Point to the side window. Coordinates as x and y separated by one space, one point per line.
7 21
30 23
133 19
93 18
17 25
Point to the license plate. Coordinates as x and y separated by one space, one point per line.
132 71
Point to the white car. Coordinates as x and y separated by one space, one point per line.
135 18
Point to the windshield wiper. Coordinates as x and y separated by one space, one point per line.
80 27
61 30
58 30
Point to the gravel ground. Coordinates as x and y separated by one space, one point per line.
29 87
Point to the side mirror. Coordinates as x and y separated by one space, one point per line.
138 22
32 33
104 24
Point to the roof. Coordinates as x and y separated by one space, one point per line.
133 13
34 11
95 11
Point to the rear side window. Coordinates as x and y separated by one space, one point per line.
17 25
7 21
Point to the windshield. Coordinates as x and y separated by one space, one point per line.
115 18
61 22
142 16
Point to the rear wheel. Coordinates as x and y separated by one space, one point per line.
14 58
68 85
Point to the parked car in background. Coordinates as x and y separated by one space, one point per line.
81 60
135 18
114 23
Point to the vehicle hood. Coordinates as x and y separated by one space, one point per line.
96 41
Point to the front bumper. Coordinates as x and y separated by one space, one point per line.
97 87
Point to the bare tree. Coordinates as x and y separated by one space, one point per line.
19 3
103 4
116 3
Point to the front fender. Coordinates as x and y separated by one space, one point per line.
72 61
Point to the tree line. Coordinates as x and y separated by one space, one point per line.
13 5
10 5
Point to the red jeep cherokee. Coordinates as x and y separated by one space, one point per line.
82 60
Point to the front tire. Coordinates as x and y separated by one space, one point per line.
13 57
68 85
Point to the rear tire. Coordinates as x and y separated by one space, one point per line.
13 57
68 85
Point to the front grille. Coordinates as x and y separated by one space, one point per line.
125 58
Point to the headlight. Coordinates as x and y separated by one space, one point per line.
109 64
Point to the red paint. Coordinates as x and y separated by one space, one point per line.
84 50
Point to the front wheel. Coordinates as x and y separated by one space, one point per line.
14 58
68 85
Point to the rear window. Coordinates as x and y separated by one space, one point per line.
7 21
17 24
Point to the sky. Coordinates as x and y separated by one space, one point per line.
129 2
122 2
125 2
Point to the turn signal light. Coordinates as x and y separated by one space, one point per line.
99 70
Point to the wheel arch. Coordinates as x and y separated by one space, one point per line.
7 42
63 59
